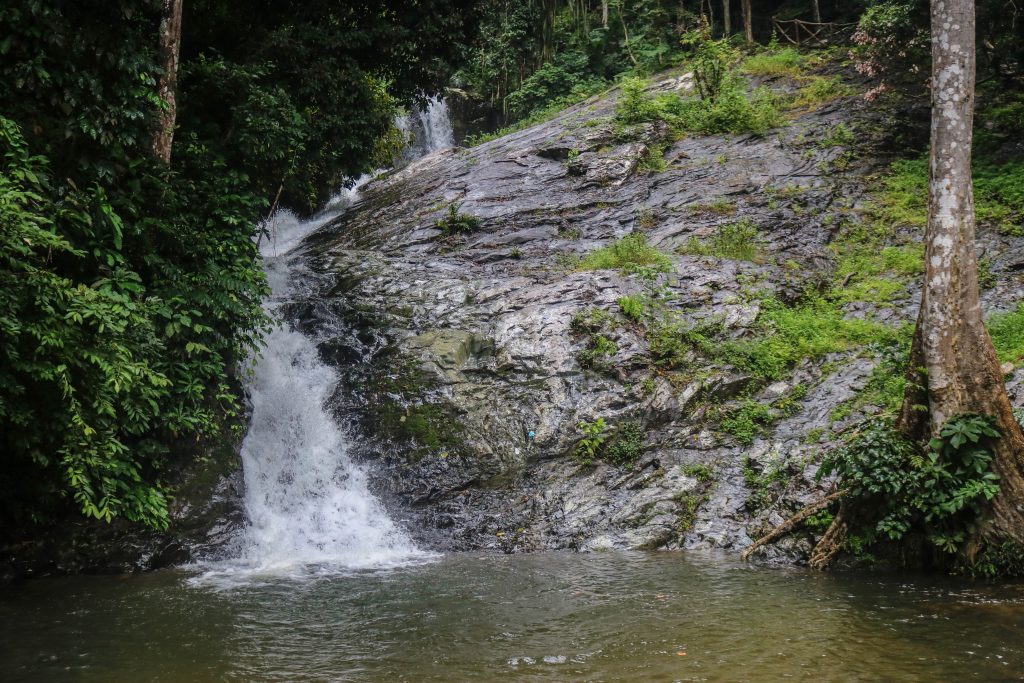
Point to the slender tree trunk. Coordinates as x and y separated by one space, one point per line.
170 46
625 33
816 9
726 18
748 20
953 365
604 13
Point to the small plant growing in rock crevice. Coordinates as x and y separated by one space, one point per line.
594 324
620 447
628 254
740 241
589 446
763 485
627 444
457 223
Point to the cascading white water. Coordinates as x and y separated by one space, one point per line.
307 502
430 129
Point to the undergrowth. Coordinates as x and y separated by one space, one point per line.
898 490
627 254
739 240
808 330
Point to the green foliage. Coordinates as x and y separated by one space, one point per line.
748 421
620 447
996 561
594 324
633 307
599 348
710 62
635 105
718 207
690 503
821 90
839 135
752 418
998 193
112 356
811 329
986 278
1007 330
628 254
733 110
627 444
589 447
940 493
532 56
653 160
556 84
456 222
891 38
762 484
786 61
701 472
740 241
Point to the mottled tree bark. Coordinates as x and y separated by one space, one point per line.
726 18
816 10
953 365
748 20
170 46
604 13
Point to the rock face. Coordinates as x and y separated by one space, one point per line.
463 381
465 378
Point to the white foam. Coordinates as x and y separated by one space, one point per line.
309 507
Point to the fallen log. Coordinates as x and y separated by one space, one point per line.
791 523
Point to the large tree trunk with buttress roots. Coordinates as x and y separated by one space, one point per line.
953 365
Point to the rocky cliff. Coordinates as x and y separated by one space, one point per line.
507 390
470 358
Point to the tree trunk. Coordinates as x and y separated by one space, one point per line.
953 365
726 19
816 9
748 20
604 13
625 33
170 46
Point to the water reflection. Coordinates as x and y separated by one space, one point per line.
547 617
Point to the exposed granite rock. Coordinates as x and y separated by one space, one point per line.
484 321
461 379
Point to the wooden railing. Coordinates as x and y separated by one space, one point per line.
812 34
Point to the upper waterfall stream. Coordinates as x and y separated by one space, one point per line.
308 504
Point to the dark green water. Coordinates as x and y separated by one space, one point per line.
546 617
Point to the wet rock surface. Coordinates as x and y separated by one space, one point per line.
462 381
461 378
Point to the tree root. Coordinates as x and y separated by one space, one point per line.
831 543
791 523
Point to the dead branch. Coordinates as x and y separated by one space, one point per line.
791 523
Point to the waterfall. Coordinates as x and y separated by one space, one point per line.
308 504
430 129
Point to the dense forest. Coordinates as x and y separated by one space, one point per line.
132 282
144 143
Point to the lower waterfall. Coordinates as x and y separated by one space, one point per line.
308 504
